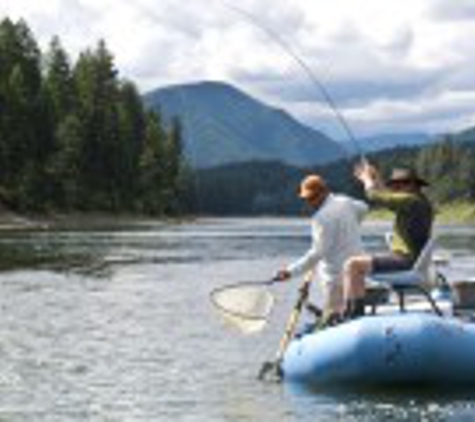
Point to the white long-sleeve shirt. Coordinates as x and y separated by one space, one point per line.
335 238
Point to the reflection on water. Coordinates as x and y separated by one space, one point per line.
114 323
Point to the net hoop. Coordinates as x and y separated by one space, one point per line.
245 305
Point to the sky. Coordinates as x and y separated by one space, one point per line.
389 66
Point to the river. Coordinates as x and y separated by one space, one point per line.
113 323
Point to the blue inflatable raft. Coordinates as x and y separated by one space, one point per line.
385 350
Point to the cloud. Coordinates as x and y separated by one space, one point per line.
434 114
443 10
386 63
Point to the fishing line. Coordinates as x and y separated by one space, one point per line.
310 74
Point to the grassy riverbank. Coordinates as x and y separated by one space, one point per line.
453 213
457 212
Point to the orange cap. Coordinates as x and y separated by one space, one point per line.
312 186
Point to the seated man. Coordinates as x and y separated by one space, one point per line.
335 237
414 216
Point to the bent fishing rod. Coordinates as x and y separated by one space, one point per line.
307 70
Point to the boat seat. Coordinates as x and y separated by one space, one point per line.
402 282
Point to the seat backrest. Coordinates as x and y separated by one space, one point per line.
424 259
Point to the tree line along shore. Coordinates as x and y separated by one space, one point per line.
76 138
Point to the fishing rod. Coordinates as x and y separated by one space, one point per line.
310 74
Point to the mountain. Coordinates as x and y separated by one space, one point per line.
381 142
466 136
223 125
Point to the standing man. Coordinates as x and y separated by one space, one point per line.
335 238
414 216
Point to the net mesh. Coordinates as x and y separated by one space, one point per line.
244 307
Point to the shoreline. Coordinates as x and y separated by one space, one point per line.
18 222
461 213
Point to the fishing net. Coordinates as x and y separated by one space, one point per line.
244 306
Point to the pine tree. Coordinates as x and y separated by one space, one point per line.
24 129
174 170
58 81
97 86
132 126
153 184
65 166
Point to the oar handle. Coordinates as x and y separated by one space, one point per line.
290 327
294 316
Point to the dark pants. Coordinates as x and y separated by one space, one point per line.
390 262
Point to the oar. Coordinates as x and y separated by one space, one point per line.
289 332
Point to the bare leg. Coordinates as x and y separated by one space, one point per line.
355 271
333 298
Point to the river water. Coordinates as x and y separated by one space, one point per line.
114 323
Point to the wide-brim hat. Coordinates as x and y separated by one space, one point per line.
406 175
312 186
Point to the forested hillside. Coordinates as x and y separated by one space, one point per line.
449 167
262 188
75 136
258 188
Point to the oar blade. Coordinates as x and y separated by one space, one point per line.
270 371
